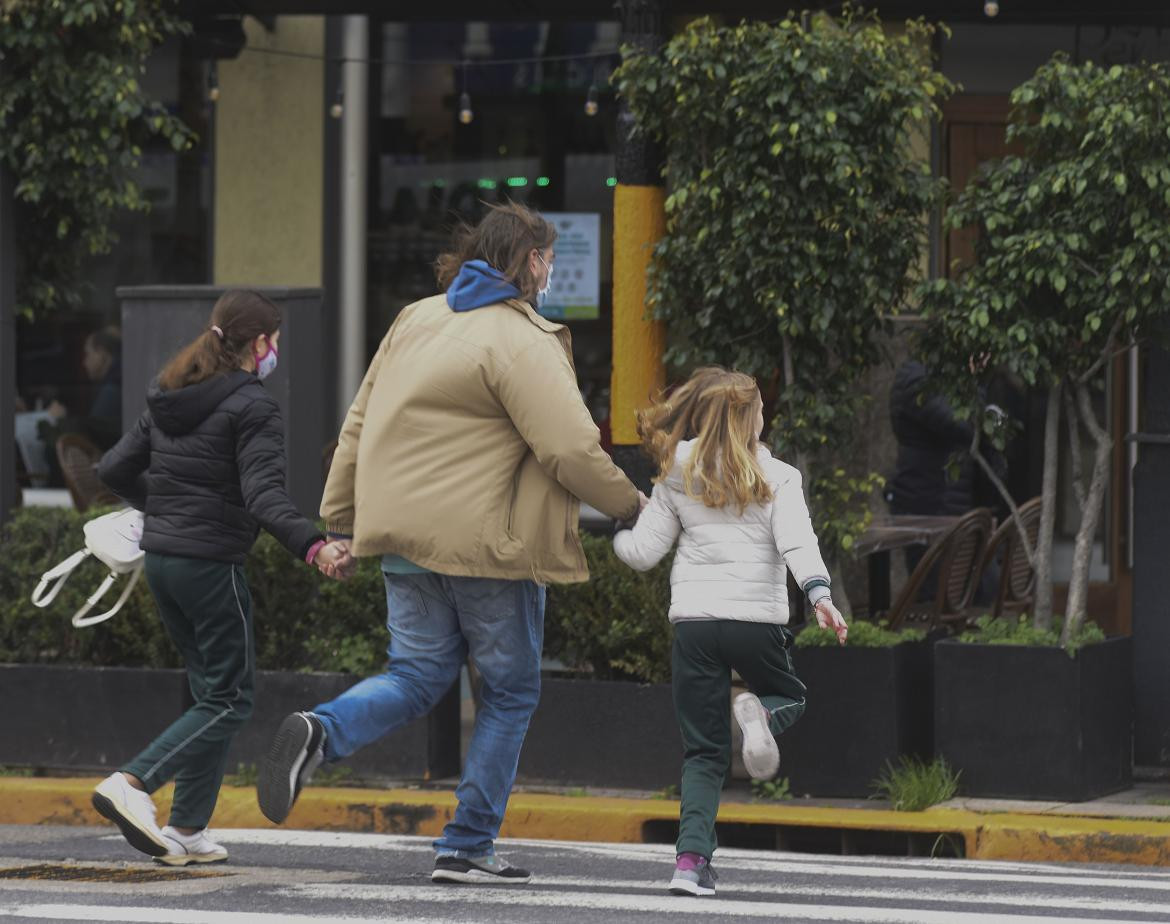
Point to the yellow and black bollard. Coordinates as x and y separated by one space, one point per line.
639 220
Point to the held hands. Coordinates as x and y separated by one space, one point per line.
619 525
335 560
829 617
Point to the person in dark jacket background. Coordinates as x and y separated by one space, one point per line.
929 435
206 464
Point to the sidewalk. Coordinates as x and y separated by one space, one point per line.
1130 827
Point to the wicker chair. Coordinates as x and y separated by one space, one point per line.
78 457
958 554
1017 577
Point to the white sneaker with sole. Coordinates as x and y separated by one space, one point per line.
761 756
191 848
133 811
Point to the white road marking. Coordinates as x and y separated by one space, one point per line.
669 904
131 915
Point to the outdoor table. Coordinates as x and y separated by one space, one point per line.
894 532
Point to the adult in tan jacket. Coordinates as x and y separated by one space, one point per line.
462 463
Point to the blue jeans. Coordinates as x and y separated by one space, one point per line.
435 623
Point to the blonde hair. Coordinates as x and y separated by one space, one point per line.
717 409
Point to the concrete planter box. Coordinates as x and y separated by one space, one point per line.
603 734
96 718
866 706
1029 722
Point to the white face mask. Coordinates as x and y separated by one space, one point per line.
542 294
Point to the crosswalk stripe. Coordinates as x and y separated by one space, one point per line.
666 904
132 915
785 861
828 890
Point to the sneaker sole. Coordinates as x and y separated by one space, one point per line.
761 756
684 887
476 876
136 836
191 858
277 784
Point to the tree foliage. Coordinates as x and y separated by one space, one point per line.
1071 266
796 214
73 119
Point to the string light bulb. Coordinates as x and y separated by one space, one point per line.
990 9
465 113
212 84
591 106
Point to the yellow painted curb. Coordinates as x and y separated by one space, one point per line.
1015 836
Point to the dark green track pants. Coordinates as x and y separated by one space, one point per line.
705 653
207 610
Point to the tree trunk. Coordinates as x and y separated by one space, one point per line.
1078 585
1042 617
836 578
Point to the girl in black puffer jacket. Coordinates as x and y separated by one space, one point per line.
206 464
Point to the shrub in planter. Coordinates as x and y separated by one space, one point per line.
303 622
613 628
869 704
319 630
1021 717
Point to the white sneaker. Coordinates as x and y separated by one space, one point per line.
132 810
190 848
761 756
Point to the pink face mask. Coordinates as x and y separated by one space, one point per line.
266 364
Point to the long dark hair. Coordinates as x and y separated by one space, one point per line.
504 239
241 315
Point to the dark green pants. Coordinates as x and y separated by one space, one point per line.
207 610
704 655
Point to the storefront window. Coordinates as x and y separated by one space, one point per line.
69 364
529 140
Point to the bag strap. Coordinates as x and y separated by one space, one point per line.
57 576
80 620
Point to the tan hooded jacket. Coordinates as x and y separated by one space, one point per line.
468 448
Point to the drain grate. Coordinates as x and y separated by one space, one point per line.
67 872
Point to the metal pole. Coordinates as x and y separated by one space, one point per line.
8 486
355 45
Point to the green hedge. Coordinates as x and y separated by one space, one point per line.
615 626
302 622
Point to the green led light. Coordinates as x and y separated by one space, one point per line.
612 181
542 181
440 183
517 181
485 183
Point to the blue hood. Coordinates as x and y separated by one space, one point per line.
479 284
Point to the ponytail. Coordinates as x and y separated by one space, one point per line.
238 318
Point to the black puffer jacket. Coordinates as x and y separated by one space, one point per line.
928 435
206 463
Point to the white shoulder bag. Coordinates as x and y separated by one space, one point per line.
112 539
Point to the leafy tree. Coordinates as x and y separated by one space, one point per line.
1071 267
795 217
73 119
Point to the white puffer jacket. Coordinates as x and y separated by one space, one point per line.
729 566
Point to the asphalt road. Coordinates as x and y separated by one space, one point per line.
52 873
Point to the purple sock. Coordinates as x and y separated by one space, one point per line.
688 861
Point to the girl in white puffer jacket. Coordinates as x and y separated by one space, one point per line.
741 523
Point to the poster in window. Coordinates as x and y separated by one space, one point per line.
576 285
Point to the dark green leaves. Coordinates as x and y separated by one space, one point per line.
74 117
